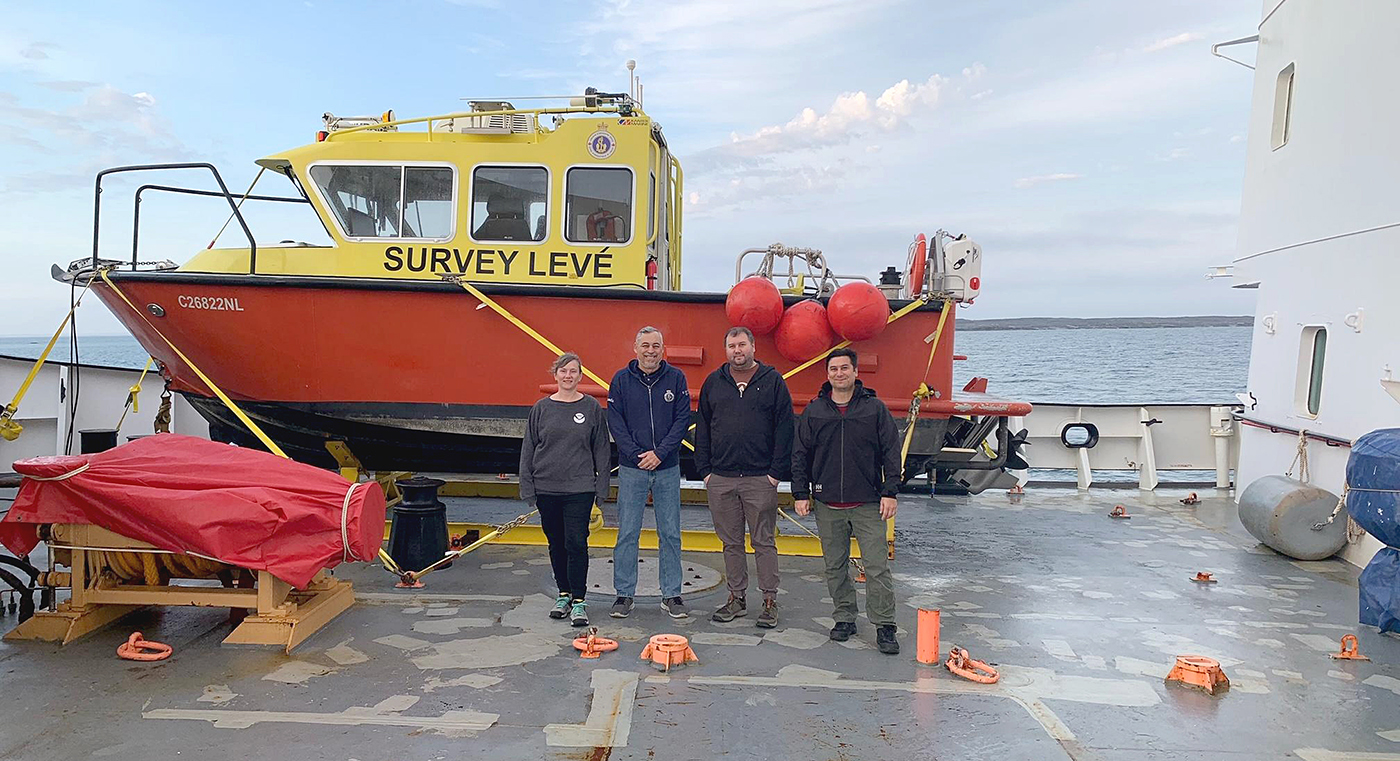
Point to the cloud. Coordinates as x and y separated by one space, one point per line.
35 51
106 126
1030 182
1175 154
68 85
1171 42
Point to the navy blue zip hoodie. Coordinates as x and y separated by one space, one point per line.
648 413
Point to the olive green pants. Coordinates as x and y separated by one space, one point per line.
836 528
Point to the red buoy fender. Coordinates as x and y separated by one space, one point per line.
914 269
858 311
804 331
754 303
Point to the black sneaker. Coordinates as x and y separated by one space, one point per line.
885 641
843 630
675 607
621 608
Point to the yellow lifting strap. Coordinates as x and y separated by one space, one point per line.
9 429
132 394
263 437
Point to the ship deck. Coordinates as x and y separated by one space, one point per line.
1083 615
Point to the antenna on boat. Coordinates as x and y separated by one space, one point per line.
631 78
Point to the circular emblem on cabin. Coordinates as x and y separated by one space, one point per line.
669 396
601 144
578 417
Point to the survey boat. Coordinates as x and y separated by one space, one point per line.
466 249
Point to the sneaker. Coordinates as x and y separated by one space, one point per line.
768 619
731 610
675 607
561 605
843 630
885 641
578 613
621 608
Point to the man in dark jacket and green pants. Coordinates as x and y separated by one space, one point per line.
845 457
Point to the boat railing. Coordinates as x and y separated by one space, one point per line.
234 203
136 214
622 109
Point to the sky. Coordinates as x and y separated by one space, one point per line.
1094 148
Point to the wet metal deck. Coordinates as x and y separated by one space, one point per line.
1083 615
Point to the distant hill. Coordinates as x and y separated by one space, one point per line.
1073 323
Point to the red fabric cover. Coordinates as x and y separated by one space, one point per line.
241 506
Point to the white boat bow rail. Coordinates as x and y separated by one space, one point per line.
1147 438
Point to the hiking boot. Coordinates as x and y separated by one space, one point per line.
621 608
561 605
731 610
578 613
885 641
843 630
768 619
675 607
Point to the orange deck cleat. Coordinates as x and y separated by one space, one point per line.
1202 577
1119 512
1352 653
1199 671
591 646
667 650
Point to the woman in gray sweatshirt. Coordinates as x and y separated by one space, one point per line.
564 469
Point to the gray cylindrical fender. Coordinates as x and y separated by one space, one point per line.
1281 513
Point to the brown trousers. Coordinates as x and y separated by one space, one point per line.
750 500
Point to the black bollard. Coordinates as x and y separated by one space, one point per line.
94 440
418 525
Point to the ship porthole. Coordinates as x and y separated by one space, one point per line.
156 310
1079 435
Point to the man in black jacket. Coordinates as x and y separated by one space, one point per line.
845 457
743 449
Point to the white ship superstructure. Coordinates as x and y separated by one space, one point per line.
1319 238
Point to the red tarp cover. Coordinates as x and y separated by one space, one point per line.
180 493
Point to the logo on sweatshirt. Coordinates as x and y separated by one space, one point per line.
669 396
578 417
817 488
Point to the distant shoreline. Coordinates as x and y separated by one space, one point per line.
1081 323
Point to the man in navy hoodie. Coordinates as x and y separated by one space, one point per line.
648 414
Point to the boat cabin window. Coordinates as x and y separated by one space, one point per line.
389 201
510 203
598 205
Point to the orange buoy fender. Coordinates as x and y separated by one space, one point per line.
804 332
756 304
858 311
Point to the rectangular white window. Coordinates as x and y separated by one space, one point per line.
389 201
1283 107
510 203
1312 356
598 205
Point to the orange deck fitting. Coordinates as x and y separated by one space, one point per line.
667 650
1199 671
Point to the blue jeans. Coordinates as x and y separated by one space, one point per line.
632 487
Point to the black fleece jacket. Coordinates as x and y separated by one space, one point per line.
846 458
746 433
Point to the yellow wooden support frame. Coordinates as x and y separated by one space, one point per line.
278 614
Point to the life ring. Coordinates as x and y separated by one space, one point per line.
914 268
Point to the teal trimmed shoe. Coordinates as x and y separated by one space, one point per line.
561 606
